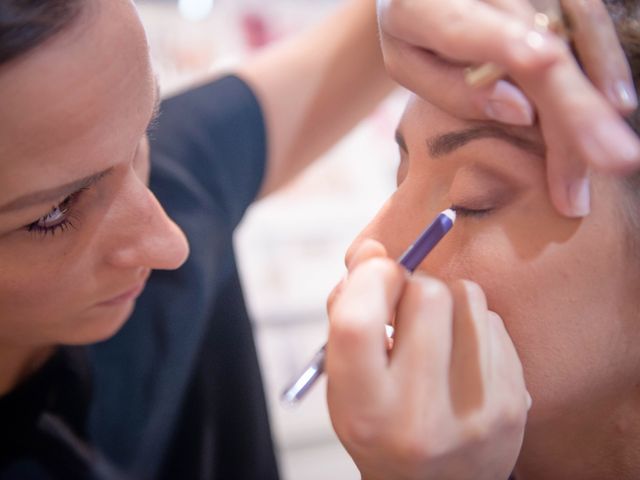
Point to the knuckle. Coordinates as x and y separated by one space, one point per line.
363 247
476 431
360 301
454 25
347 323
415 449
379 266
512 414
360 431
394 15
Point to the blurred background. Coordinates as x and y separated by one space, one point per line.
290 245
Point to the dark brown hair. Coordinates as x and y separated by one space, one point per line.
626 17
25 24
625 14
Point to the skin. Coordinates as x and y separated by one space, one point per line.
87 96
426 47
565 288
54 285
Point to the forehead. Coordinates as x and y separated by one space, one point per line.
76 103
419 113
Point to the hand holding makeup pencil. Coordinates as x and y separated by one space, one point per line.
448 401
428 46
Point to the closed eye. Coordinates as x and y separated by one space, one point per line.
469 212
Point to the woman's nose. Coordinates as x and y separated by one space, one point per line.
149 238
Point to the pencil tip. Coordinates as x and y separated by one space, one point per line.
450 213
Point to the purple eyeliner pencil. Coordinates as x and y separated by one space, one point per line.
410 260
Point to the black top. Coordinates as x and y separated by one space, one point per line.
177 392
30 415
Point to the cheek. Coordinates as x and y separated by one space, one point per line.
564 319
40 290
39 280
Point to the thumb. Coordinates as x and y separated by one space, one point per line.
359 253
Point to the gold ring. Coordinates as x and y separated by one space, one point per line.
489 73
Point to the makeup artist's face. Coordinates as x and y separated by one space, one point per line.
566 289
79 229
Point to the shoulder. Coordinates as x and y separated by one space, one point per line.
211 140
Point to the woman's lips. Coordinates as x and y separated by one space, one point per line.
125 297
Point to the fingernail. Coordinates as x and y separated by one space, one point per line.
579 197
529 401
507 104
624 95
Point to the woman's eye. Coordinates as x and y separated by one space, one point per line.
470 212
58 219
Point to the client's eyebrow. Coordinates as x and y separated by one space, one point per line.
52 195
446 143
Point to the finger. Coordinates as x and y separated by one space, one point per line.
600 53
470 356
357 350
479 34
567 175
506 369
594 130
425 73
366 249
522 9
422 343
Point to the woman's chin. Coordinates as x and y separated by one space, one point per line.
101 326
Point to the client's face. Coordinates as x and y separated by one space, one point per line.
566 289
79 229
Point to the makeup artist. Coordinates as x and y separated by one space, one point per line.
89 251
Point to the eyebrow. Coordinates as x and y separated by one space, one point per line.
446 143
52 195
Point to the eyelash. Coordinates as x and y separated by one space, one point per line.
468 212
66 210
